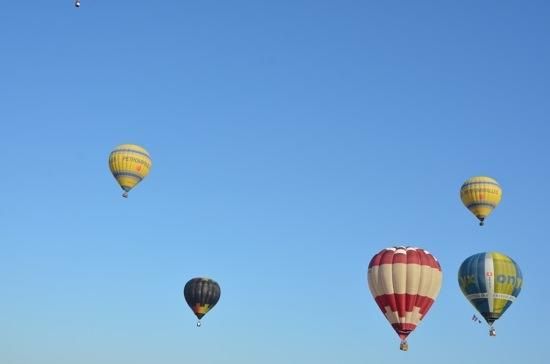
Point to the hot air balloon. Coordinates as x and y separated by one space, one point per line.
481 195
404 282
201 294
129 164
491 282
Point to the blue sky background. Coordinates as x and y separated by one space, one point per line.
291 141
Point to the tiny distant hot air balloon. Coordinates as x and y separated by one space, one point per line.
491 282
77 3
404 282
481 195
201 294
129 164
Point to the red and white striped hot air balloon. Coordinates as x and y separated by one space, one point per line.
404 282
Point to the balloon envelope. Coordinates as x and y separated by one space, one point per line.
481 195
491 282
201 294
129 164
404 282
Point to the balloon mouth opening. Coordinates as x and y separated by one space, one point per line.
403 334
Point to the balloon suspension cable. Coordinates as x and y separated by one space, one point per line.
199 323
125 194
404 345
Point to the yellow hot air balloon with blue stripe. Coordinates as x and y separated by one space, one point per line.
129 164
491 282
481 195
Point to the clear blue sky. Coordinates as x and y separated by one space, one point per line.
291 141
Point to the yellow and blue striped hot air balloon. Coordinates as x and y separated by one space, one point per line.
491 282
129 164
481 195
